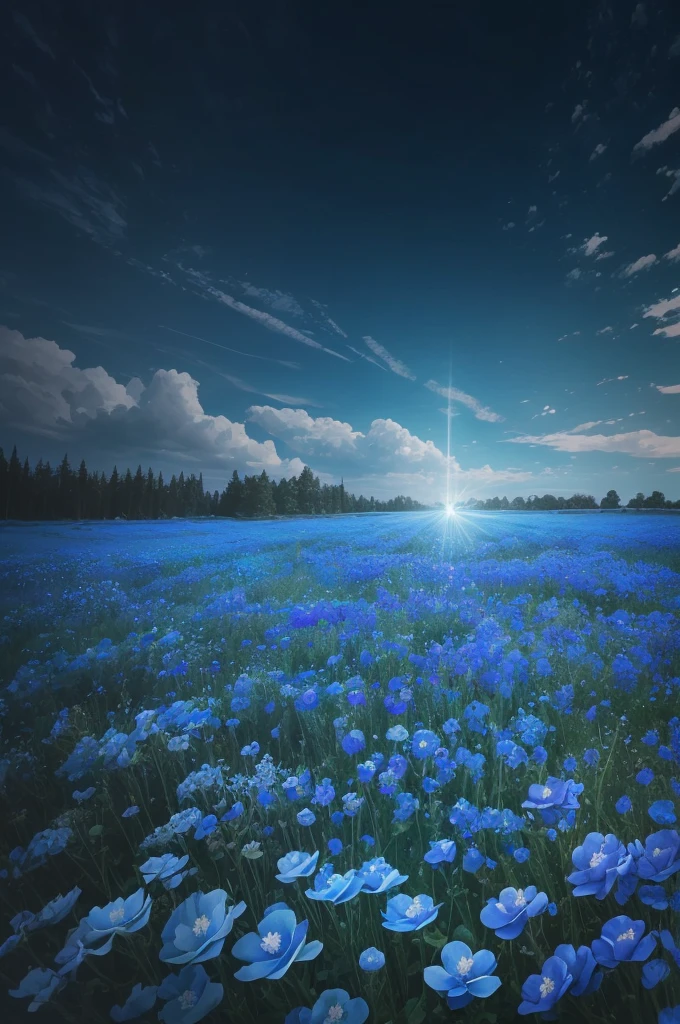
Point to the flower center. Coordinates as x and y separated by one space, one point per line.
546 792
630 934
335 1013
422 744
521 900
596 859
656 851
415 909
201 925
271 943
464 966
116 915
187 999
547 987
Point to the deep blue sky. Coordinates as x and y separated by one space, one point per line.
349 212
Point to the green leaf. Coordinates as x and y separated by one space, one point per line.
463 934
96 830
415 1010
435 938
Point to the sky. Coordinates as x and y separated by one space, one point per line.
402 247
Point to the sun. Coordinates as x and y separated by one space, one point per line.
450 510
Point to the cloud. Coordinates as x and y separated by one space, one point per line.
668 172
674 49
44 393
326 320
578 112
278 300
583 426
644 263
660 310
604 255
509 226
236 351
272 323
455 395
605 330
85 201
660 134
641 444
673 254
639 17
574 274
369 359
591 245
669 389
598 151
284 399
608 380
395 365
303 433
22 22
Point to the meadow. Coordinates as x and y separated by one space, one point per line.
396 768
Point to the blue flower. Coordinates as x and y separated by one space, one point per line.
645 776
206 826
40 984
190 996
662 812
54 911
371 959
397 734
521 854
404 914
582 967
378 876
119 916
324 793
653 896
354 742
540 992
130 812
671 1015
278 942
197 928
306 817
296 865
235 812
622 940
337 888
653 972
473 860
332 1005
623 804
334 846
166 869
424 744
661 856
407 805
464 976
138 1002
508 915
554 798
443 851
598 862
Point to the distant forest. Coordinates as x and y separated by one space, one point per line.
65 493
549 503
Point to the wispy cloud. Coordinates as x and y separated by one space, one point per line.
277 300
660 311
236 351
85 201
455 395
22 22
643 444
674 175
660 134
668 389
395 365
608 380
600 148
326 320
283 399
592 244
272 323
369 359
108 107
673 254
644 263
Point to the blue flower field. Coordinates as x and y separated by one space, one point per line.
393 768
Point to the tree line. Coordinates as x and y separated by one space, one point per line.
44 492
549 503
